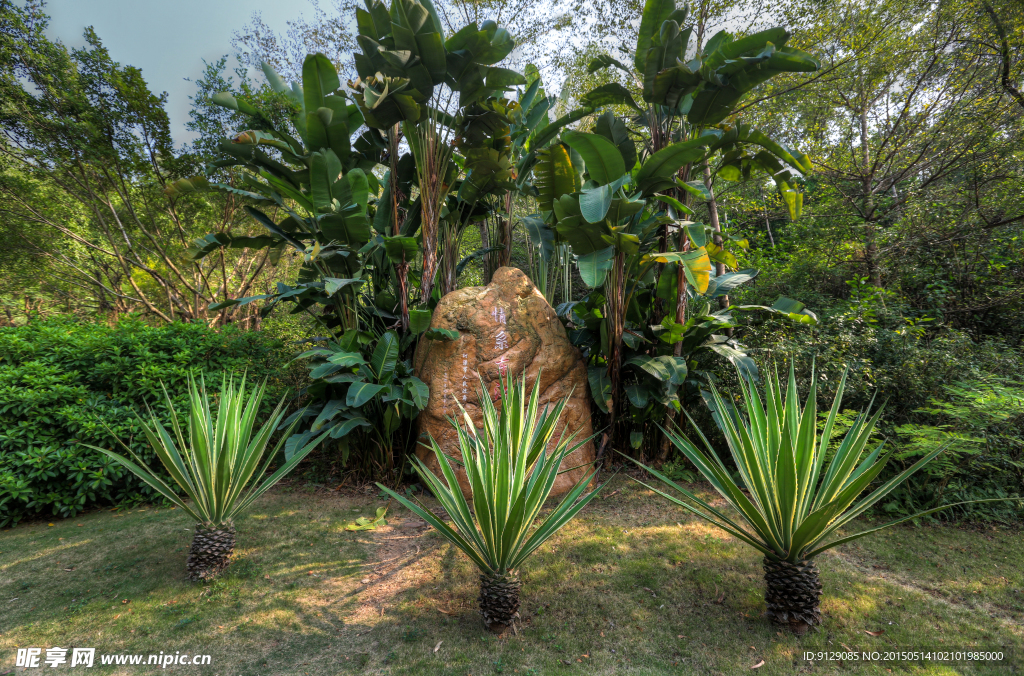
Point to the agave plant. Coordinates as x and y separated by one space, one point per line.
792 501
510 472
218 468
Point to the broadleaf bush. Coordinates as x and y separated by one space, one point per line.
65 383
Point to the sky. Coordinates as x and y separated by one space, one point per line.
167 40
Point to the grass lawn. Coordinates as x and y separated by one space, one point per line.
632 586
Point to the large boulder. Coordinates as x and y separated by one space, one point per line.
506 327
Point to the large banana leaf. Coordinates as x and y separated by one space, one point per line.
655 13
661 166
603 160
554 175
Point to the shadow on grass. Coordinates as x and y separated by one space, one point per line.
637 586
117 584
632 586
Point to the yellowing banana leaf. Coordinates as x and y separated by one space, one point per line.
696 265
720 255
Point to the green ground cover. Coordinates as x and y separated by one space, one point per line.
633 585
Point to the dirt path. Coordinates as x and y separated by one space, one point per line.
398 562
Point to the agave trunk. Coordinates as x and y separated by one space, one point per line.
793 594
211 551
499 600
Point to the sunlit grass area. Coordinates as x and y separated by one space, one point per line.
632 586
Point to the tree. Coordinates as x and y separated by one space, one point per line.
85 152
907 109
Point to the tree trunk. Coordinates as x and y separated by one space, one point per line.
397 218
616 319
767 223
499 600
211 551
723 301
793 594
680 314
484 244
868 206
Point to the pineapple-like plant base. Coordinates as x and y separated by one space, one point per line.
793 594
499 600
211 551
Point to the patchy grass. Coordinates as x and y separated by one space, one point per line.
632 586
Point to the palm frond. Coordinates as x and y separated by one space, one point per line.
511 471
218 468
795 502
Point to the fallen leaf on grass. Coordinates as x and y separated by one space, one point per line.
366 523
758 665
874 633
438 646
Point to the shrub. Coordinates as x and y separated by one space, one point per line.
982 421
64 383
220 469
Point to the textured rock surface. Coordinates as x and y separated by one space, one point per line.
504 327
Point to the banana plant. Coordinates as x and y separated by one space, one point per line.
597 198
692 96
444 98
691 134
541 167
362 393
310 188
603 199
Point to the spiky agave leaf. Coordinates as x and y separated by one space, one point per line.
795 501
511 473
219 466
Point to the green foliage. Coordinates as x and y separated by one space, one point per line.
85 154
510 471
222 462
981 421
624 212
364 395
321 182
679 470
64 383
367 523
